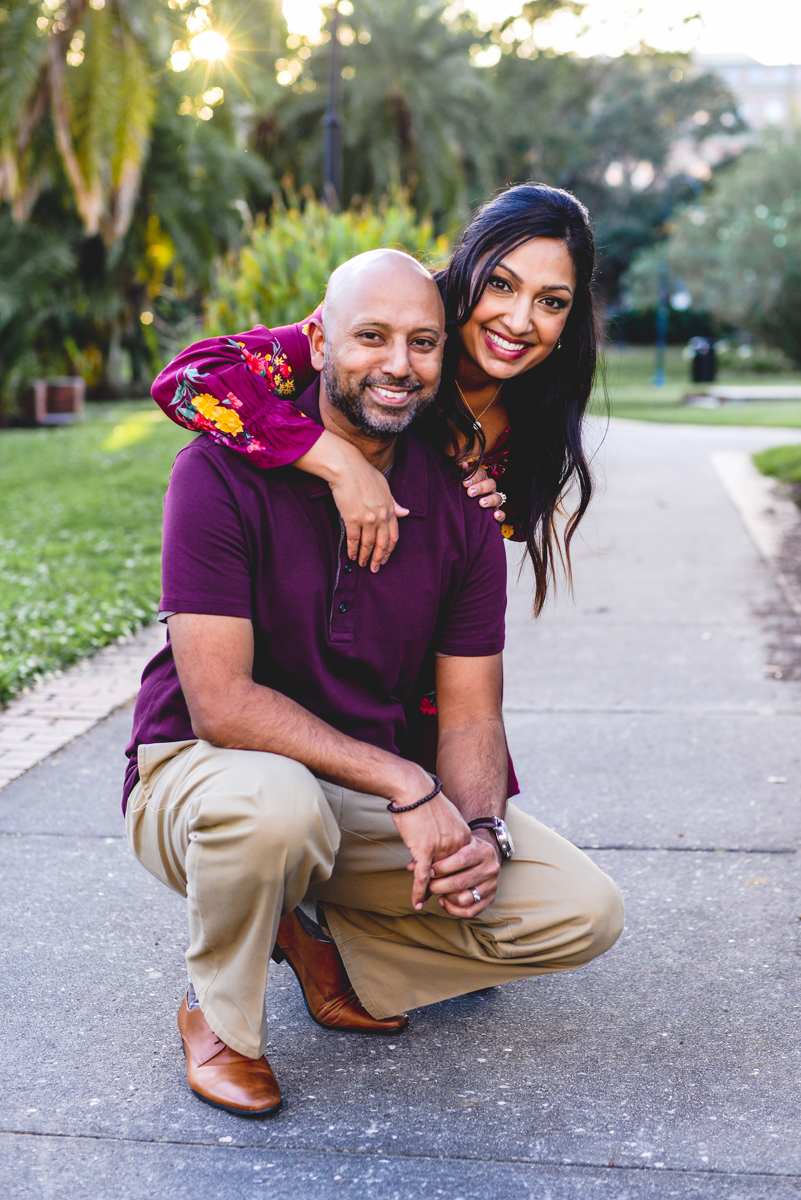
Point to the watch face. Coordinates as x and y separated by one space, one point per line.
505 843
501 832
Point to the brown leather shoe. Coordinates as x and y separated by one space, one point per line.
324 982
221 1076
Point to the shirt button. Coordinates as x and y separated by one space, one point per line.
348 568
343 608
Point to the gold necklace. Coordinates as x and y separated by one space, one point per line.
477 420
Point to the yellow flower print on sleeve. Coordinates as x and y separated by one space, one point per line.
227 421
224 418
508 531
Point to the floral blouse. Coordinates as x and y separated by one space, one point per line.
239 390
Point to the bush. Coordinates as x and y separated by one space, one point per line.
638 326
279 277
751 356
35 267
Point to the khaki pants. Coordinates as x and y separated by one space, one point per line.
245 836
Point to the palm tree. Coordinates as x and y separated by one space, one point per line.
417 112
117 194
77 82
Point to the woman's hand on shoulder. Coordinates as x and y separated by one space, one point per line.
484 488
362 495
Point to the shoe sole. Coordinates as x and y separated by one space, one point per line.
279 956
238 1112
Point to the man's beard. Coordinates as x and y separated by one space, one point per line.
363 413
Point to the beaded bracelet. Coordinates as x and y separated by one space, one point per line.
408 807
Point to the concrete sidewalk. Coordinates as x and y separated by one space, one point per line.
647 726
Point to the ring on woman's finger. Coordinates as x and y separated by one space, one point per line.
502 496
476 894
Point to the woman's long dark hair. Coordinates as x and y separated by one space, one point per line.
547 404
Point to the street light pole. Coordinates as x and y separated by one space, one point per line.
662 314
332 124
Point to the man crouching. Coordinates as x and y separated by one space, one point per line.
265 782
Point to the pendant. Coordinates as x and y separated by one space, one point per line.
477 426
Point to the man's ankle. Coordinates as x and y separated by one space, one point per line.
312 921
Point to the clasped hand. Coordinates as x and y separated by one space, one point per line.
448 860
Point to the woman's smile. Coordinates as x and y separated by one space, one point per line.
504 347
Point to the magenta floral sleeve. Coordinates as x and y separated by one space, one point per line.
239 390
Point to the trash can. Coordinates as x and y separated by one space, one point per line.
703 362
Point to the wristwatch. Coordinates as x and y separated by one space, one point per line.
502 835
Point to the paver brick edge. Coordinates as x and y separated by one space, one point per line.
55 712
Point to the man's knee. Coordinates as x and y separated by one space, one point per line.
601 916
273 807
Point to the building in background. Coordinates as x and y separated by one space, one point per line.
767 97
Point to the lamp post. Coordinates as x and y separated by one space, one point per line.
332 123
662 314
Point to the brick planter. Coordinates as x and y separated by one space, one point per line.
54 401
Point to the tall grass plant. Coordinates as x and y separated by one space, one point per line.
279 276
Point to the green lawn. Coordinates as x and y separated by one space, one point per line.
629 375
80 535
782 462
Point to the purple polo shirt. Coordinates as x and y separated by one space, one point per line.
345 644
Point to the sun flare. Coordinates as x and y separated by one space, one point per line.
210 46
303 18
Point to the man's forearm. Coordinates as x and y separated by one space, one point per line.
214 659
472 762
258 718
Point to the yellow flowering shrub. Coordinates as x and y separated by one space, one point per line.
279 277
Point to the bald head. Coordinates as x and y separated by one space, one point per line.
379 345
378 277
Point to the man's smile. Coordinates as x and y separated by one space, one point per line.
394 396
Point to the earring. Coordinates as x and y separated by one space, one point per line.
559 344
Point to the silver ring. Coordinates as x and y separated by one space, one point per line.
476 894
503 497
